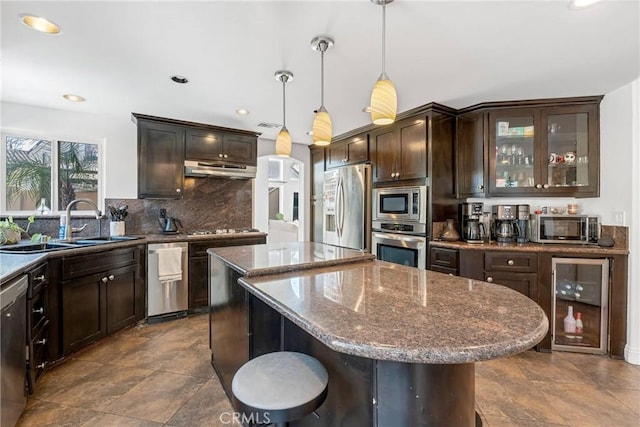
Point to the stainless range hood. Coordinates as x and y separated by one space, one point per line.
204 169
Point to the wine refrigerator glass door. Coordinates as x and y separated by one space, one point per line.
580 292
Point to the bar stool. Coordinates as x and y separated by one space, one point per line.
279 387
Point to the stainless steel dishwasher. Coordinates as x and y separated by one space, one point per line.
13 329
166 298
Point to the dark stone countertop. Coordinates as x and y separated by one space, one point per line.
532 247
13 264
273 258
385 311
182 237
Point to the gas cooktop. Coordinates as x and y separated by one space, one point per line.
222 231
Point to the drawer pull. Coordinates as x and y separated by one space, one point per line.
40 278
38 310
510 262
42 341
111 277
490 279
104 279
41 366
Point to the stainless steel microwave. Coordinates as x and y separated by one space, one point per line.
400 204
578 229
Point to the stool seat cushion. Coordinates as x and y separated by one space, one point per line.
287 385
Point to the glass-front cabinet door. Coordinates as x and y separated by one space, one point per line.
512 151
570 150
544 151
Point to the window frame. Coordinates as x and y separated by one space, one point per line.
55 141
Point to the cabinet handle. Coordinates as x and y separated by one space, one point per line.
480 187
42 365
42 341
111 277
39 278
538 186
104 280
225 156
490 279
510 262
220 155
545 186
178 190
38 310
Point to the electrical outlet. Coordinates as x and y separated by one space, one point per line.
618 217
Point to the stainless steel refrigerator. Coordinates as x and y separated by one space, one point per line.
346 218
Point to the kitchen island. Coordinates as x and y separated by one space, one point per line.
399 343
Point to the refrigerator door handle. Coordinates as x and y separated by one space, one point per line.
340 207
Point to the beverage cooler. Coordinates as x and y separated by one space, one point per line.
580 305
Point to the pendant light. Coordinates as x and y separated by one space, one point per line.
384 100
283 141
322 127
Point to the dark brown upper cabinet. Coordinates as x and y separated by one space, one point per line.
164 144
207 145
399 151
543 148
348 151
470 155
160 160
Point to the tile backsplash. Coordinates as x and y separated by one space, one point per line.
207 204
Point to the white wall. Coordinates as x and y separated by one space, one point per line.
119 134
632 350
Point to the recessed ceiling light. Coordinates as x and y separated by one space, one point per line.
242 111
39 24
73 98
180 79
581 4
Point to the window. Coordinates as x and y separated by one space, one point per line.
45 174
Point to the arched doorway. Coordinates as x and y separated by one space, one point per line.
279 198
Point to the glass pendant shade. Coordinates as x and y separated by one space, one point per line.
283 143
322 127
384 101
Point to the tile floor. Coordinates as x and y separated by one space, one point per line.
160 375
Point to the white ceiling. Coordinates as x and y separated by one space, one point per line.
119 55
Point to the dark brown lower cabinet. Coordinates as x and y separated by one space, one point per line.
104 297
530 274
37 324
199 267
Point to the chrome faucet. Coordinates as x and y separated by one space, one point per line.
67 225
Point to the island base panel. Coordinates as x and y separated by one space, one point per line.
349 400
425 395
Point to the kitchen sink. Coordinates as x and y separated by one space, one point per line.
55 246
35 248
103 239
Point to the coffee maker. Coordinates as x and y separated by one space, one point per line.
504 223
470 219
522 224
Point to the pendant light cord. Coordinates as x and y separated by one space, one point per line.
384 6
284 102
323 47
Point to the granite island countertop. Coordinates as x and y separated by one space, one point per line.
386 311
274 258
